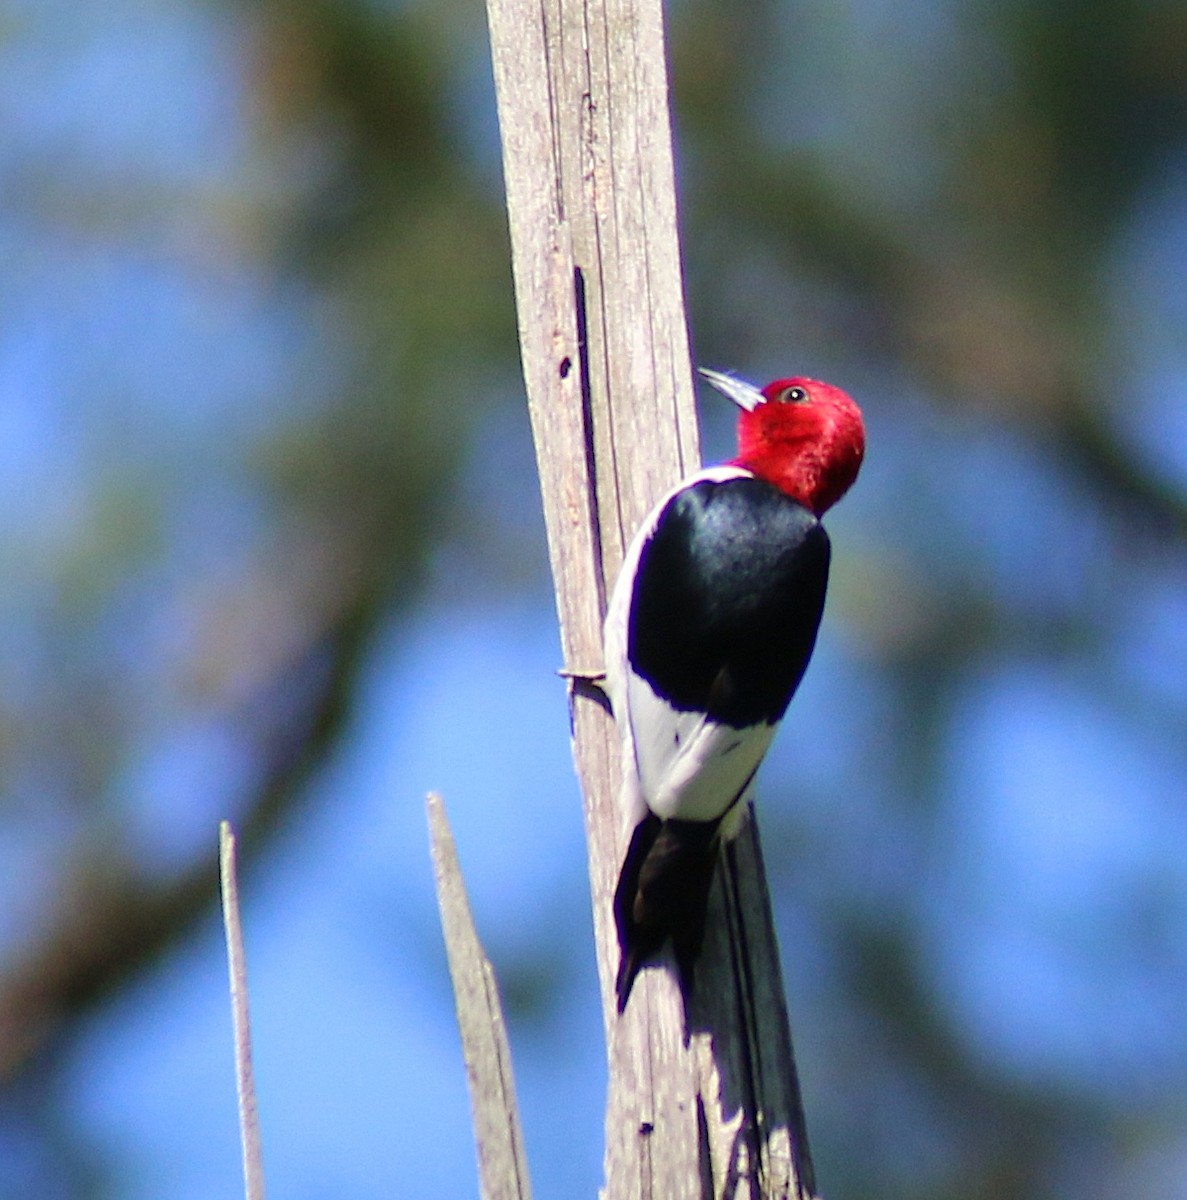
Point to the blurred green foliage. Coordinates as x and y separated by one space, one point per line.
958 211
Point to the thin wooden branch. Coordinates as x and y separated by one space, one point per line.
502 1164
582 93
111 918
245 1084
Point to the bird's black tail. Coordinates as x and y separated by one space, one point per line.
663 892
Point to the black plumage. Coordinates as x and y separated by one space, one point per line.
727 600
723 617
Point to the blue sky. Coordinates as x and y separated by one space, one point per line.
142 338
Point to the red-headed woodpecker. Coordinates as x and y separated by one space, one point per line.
708 635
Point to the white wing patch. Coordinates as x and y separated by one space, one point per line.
677 764
688 766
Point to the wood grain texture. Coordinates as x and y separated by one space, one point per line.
711 1109
502 1164
245 1083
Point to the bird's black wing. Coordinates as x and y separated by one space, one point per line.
727 600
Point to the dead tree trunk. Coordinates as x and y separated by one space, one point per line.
583 111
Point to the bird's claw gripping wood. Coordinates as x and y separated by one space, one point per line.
708 634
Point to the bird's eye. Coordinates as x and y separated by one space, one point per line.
794 395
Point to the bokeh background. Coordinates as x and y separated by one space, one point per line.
271 548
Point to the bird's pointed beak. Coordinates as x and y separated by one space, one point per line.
744 395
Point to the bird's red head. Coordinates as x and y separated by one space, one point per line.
804 436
